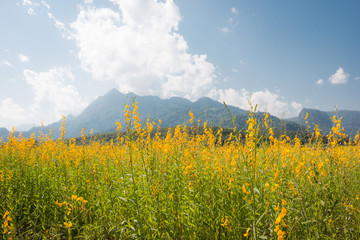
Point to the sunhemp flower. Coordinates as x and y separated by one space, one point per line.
191 117
280 234
307 115
225 222
68 225
247 233
7 219
118 128
271 131
281 215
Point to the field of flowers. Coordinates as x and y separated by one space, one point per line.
183 185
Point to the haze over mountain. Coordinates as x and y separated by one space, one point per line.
350 120
101 115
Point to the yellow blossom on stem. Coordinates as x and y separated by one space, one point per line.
68 225
247 233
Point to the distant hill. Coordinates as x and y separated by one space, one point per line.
103 112
350 120
4 133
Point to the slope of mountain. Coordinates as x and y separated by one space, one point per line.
4 133
350 120
103 112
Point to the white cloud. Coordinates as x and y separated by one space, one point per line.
88 1
340 77
357 78
52 95
234 10
11 113
297 107
320 81
266 101
64 31
27 2
31 11
233 21
43 3
224 29
140 49
23 58
6 63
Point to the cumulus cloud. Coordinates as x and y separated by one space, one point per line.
266 101
23 58
11 113
320 81
297 107
139 48
340 77
52 94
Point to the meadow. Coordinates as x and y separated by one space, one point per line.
181 185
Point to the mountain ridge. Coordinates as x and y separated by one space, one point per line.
102 113
350 120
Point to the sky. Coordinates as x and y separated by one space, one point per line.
56 57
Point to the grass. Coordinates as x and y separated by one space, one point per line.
181 186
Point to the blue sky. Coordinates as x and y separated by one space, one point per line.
58 56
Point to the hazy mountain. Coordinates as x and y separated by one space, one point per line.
102 113
24 127
3 133
350 120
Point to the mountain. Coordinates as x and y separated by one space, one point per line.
3 133
102 113
350 120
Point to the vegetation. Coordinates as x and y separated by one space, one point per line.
184 184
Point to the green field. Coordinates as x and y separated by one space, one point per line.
182 185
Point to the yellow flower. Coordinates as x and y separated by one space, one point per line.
307 115
278 207
225 222
191 117
67 225
278 219
118 128
281 235
271 131
283 212
247 233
